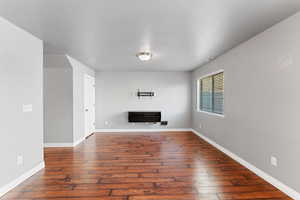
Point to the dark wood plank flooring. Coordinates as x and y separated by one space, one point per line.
143 166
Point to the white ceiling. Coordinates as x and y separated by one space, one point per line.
181 34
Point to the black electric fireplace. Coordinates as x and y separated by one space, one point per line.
144 116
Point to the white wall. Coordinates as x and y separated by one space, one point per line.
21 82
58 100
79 70
116 95
64 99
262 101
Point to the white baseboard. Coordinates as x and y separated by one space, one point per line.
58 145
78 141
140 130
281 186
64 144
20 179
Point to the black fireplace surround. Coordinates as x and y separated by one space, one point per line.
144 116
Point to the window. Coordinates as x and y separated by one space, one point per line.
211 93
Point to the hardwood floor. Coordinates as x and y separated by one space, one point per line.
143 166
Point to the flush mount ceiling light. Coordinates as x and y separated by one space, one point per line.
144 56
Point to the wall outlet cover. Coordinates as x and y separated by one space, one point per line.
19 160
274 161
27 108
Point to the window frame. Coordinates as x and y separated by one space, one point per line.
199 90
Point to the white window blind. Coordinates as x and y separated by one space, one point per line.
211 97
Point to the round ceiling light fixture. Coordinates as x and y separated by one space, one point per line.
144 56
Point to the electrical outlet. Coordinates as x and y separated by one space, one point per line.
274 161
106 123
19 160
200 125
